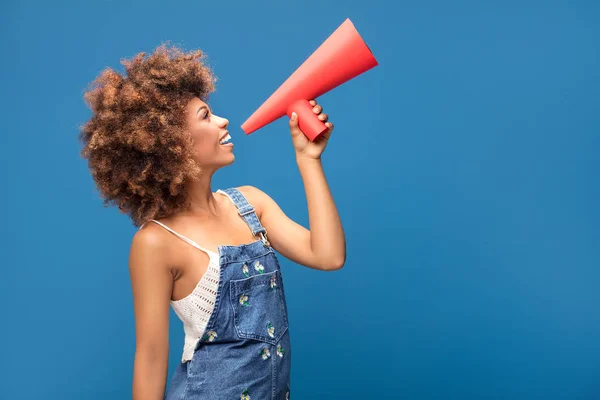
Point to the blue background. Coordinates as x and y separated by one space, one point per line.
465 168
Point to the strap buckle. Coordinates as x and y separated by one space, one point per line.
263 237
246 210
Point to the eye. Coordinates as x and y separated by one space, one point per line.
206 114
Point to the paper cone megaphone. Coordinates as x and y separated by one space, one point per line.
343 56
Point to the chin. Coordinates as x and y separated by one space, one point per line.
231 160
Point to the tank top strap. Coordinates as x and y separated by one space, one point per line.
185 239
246 211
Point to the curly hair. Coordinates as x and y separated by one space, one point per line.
138 151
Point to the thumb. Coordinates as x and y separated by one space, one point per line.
294 123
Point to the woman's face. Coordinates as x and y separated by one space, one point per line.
208 131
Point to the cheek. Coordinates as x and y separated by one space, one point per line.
204 144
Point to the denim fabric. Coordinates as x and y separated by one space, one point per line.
245 352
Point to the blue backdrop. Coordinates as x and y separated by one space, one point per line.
465 168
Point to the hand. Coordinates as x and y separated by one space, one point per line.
304 147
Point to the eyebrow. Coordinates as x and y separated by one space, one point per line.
201 107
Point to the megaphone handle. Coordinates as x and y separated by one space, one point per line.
308 121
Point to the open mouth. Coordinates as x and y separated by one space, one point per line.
225 140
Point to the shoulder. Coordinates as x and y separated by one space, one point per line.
258 198
148 236
148 244
251 191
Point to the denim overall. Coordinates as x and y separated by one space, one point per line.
245 350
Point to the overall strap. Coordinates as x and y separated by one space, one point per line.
247 212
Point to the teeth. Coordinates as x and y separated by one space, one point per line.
225 139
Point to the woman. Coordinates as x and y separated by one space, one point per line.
153 144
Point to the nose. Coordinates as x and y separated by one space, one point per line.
223 122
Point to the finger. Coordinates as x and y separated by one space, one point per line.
312 102
323 117
317 109
294 123
327 134
330 126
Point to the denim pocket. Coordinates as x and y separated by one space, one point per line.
259 310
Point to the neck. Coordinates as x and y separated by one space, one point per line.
201 198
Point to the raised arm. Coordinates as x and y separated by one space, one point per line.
324 245
152 283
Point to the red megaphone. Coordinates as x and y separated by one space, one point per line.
343 56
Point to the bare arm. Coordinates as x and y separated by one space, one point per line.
327 239
324 245
152 283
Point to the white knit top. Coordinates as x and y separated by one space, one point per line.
195 309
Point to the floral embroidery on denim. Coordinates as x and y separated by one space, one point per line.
271 329
245 270
259 267
211 335
244 300
245 395
273 283
280 351
265 353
